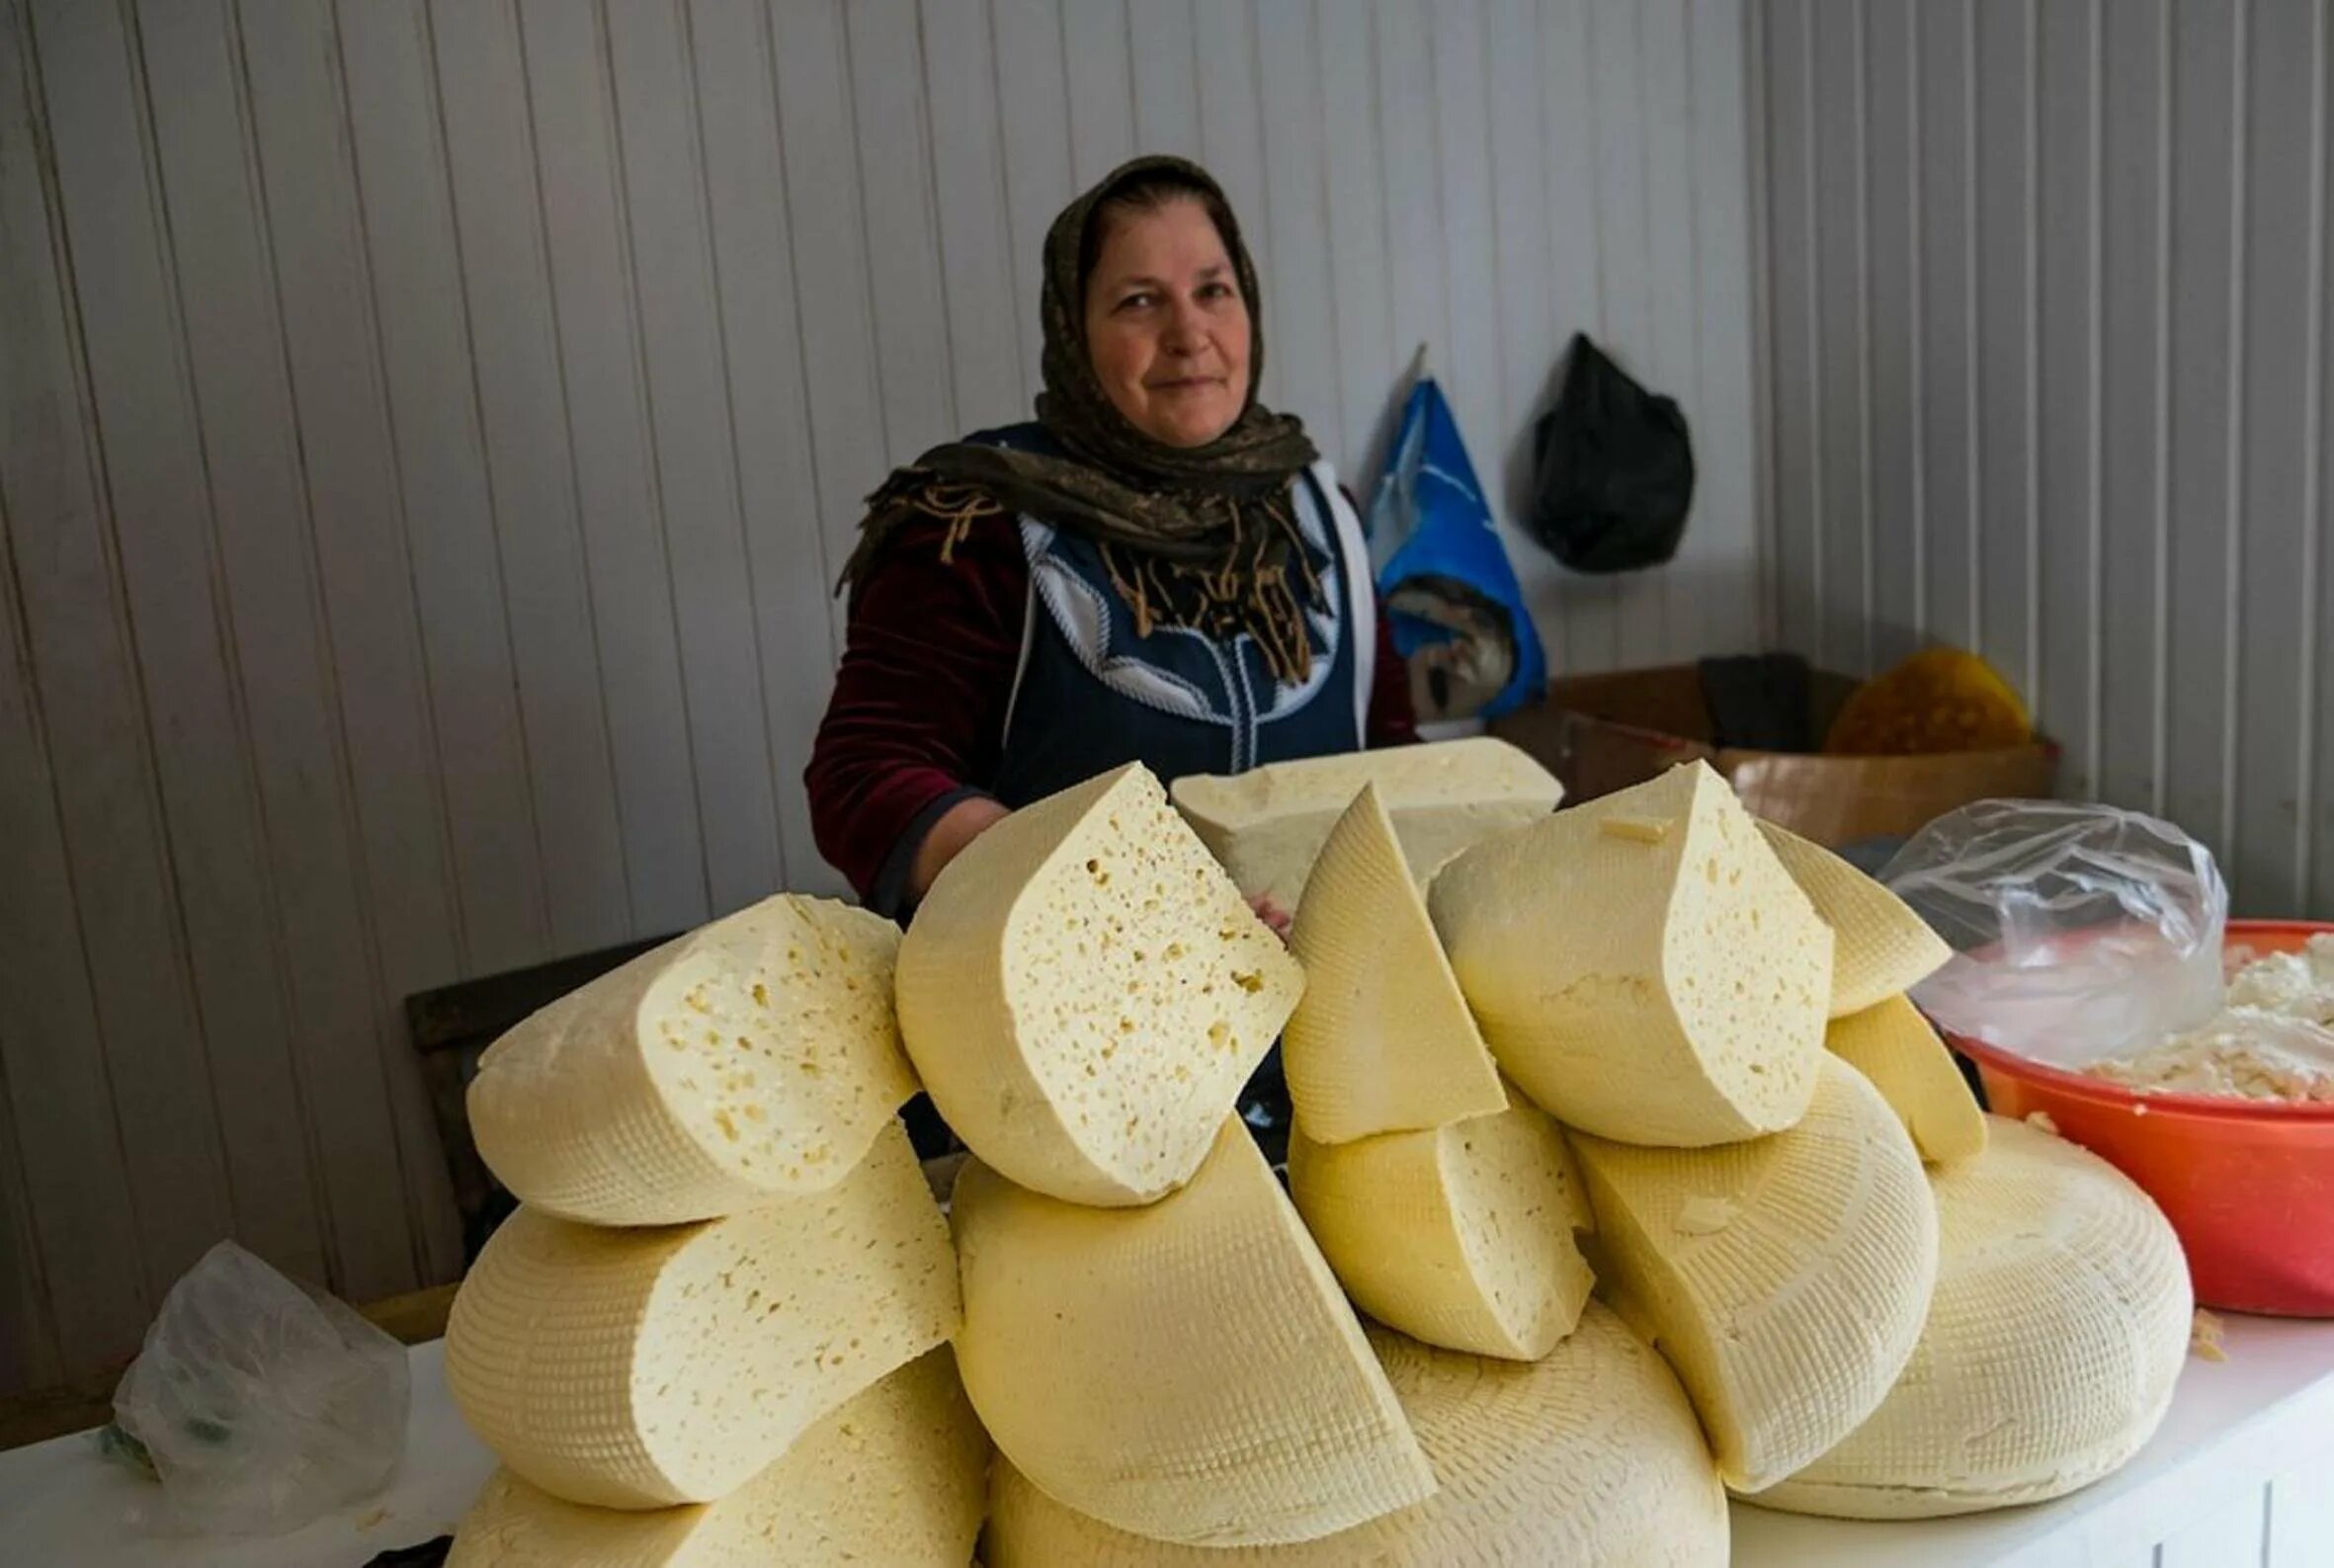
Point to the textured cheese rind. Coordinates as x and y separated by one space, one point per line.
1658 987
1589 1458
897 1475
1883 947
1460 1237
1786 1278
1085 993
752 1057
2060 1325
636 1369
1382 1041
1188 1371
1892 1044
1267 825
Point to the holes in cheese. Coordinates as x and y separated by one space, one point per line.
1882 948
1662 988
1589 1458
1084 993
1893 1045
1188 1371
1382 1040
2060 1324
635 1369
1461 1236
1267 825
1786 1278
752 1057
896 1475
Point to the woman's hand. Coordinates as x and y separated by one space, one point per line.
1270 914
959 826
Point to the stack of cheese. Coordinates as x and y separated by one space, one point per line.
715 1331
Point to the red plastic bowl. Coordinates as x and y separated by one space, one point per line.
2248 1184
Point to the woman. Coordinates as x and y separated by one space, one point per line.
1157 569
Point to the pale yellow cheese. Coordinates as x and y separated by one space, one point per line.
635 1369
897 1475
1268 824
1892 1044
752 1057
1188 1371
1883 948
1382 1040
1589 1458
1085 993
1786 1278
2060 1325
1460 1237
1642 967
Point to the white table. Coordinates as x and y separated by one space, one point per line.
2242 1473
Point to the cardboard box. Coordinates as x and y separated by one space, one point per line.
1599 733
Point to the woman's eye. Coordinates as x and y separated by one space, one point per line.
1142 301
1216 292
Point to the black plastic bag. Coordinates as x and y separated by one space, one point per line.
1612 475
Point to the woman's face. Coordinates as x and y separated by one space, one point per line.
1166 327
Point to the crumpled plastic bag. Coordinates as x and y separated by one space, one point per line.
2080 931
259 1404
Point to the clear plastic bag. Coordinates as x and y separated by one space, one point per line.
2080 931
258 1403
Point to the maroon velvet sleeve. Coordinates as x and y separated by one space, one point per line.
1392 723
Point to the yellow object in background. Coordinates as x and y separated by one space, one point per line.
1939 699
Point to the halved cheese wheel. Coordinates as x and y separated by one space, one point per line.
1382 1041
1881 947
636 1369
1187 1372
1085 993
1892 1044
753 1058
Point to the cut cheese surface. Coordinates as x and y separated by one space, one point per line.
1187 1372
1085 993
1268 825
2061 1322
635 1369
1642 967
897 1475
1589 1458
1786 1278
1883 947
1892 1044
752 1057
1382 1040
1461 1237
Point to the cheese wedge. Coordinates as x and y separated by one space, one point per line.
1882 949
1786 1278
1187 1372
1642 967
1587 1460
1382 1040
636 1369
1461 1237
752 1057
897 1475
2060 1325
1268 825
1085 993
1892 1044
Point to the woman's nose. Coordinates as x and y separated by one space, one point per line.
1185 332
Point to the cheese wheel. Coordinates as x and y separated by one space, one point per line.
1382 1041
636 1369
1883 947
2059 1326
1589 1458
1461 1237
1085 993
1892 1044
896 1475
1642 967
1268 825
753 1058
1187 1372
1786 1278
